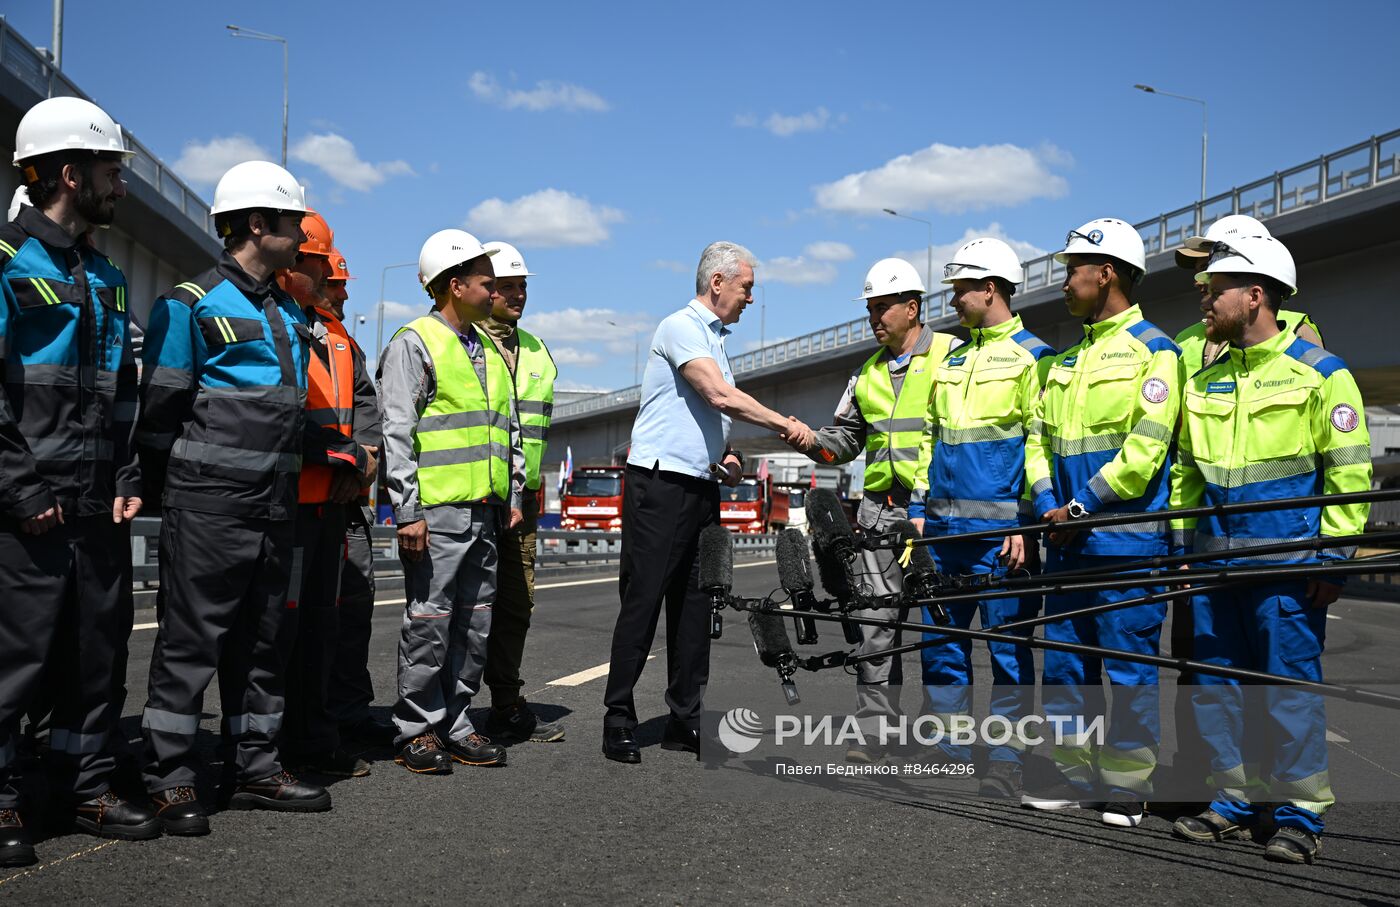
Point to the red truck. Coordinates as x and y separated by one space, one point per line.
592 499
745 507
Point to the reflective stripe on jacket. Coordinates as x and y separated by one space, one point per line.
462 443
1279 419
1103 431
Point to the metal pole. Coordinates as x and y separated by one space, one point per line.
928 288
379 321
284 108
57 49
1181 97
237 31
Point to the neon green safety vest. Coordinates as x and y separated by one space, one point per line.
894 445
462 442
534 401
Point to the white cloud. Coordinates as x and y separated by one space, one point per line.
667 264
544 96
549 217
573 387
203 164
402 310
784 125
567 355
943 252
336 155
950 179
814 266
619 332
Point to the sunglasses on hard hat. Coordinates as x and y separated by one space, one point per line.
954 267
1225 250
1093 237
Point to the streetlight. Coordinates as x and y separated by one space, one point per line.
1150 90
763 317
928 286
379 329
356 329
237 31
636 352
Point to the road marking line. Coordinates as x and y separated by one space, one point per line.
71 856
380 603
582 677
1334 737
1333 617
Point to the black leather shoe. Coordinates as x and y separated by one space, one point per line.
475 749
15 849
425 756
679 737
337 763
281 792
620 746
109 816
179 812
368 730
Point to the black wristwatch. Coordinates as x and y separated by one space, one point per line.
731 452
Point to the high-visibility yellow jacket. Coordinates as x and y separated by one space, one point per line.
894 444
1103 431
1279 419
1193 340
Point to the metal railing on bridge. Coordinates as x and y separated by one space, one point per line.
20 59
553 548
1342 173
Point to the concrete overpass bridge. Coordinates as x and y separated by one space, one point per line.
163 233
1339 215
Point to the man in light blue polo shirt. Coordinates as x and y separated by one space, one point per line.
679 454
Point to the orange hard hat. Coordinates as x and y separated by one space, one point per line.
318 235
339 270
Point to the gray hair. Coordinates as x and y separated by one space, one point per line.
722 258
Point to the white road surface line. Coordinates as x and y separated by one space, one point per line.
1334 737
582 677
384 602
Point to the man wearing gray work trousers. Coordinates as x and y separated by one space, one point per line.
453 467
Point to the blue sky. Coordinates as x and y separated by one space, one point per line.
611 142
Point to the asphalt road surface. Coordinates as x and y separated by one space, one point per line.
560 824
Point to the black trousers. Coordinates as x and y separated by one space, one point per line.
65 617
228 582
352 689
309 728
662 515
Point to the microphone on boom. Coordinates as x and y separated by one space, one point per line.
716 572
795 576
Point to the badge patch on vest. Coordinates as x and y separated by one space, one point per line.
1222 387
1155 390
1344 418
957 361
340 346
1068 363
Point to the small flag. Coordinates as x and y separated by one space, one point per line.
762 470
814 477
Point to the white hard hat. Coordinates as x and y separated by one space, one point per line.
983 258
1253 255
258 184
1231 226
19 200
67 124
1106 236
447 249
891 275
506 260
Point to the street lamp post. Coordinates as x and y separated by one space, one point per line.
928 286
356 329
379 327
1204 139
238 31
636 353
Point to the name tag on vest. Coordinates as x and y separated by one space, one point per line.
1220 387
956 361
1071 361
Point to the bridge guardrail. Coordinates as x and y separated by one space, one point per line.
23 61
553 547
1345 172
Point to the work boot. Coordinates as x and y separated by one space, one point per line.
475 749
1123 812
337 763
865 753
109 816
179 812
425 756
15 848
518 723
281 792
371 731
1207 827
1060 795
1291 844
1002 781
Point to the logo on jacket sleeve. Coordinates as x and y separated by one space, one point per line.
1344 418
1155 390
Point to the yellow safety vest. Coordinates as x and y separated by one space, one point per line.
894 447
534 401
462 443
